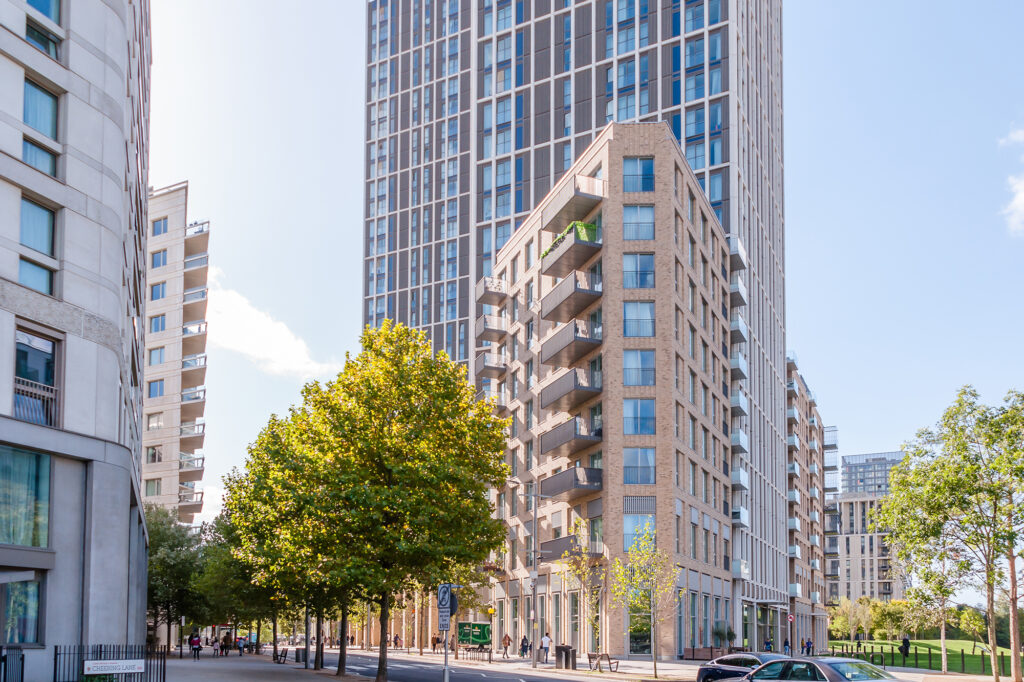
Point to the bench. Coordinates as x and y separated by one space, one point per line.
594 661
282 656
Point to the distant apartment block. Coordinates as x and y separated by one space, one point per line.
869 473
175 390
805 496
611 340
73 173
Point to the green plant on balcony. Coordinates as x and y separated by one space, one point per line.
586 232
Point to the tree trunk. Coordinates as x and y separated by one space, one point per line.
942 638
259 631
273 622
654 645
990 602
318 653
382 657
1015 670
343 649
168 631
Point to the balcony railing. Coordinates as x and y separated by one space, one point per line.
193 429
738 366
194 328
193 394
577 244
569 437
638 328
194 361
194 497
491 290
572 483
200 260
553 550
638 475
36 403
197 229
570 297
500 397
569 343
570 390
637 231
195 294
190 462
638 279
741 517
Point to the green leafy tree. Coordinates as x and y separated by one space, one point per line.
587 575
175 562
644 585
412 456
971 622
840 621
887 617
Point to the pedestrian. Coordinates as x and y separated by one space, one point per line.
810 647
545 645
241 645
523 647
767 644
195 643
506 642
433 644
905 647
858 644
803 646
785 646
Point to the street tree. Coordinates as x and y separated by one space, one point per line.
972 623
840 619
586 575
644 585
413 455
175 562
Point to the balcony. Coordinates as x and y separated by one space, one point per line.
791 361
570 297
831 508
194 328
196 268
793 441
793 496
740 441
737 291
491 327
812 445
794 524
815 517
491 291
572 483
572 341
192 429
816 597
791 389
491 365
813 469
813 421
569 437
795 552
831 528
570 390
831 550
812 398
815 564
197 231
815 540
193 337
577 244
737 253
193 395
793 469
885 588
737 367
740 517
793 415
739 404
814 493
36 403
190 466
570 199
737 329
500 398
796 589
740 569
194 300
200 260
553 550
191 501
740 478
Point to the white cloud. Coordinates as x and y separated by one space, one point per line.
239 326
1014 210
1015 137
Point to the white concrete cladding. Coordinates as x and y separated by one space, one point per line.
475 109
74 92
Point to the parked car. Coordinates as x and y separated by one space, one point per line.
733 665
826 669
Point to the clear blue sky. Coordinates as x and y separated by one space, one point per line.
904 277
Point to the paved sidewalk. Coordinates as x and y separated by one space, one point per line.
234 669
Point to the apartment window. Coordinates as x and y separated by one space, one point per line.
157 323
528 455
154 454
695 155
35 276
42 39
693 479
35 392
40 109
638 318
638 270
637 222
156 388
152 487
160 258
633 526
693 540
157 291
638 368
154 421
39 158
638 466
156 355
638 417
25 486
49 8
159 227
638 174
20 611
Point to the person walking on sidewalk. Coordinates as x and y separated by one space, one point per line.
506 642
545 645
216 647
523 646
785 646
195 644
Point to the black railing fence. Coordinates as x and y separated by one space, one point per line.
12 664
69 662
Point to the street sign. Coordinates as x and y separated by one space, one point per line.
113 667
791 619
444 598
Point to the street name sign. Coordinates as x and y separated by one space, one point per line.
113 667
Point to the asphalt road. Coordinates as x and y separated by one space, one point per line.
427 671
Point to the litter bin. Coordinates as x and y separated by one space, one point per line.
565 657
300 655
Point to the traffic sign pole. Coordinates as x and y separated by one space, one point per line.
444 597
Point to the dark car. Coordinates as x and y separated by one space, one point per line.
733 665
826 669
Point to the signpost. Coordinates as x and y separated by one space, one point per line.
444 619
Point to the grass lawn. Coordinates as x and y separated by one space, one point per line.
976 663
